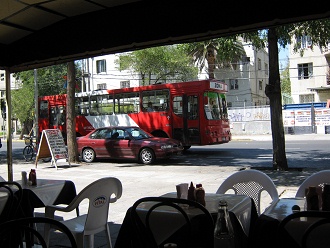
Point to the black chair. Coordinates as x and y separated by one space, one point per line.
286 240
193 223
309 238
21 233
12 208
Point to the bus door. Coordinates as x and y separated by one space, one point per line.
57 118
185 119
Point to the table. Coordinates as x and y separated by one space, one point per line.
46 192
265 232
241 208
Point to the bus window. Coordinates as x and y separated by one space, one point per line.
158 99
127 103
192 107
43 111
177 105
82 105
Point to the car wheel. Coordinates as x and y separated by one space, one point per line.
186 148
88 155
147 156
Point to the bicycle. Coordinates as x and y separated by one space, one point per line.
31 149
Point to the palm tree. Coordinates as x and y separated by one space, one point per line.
217 53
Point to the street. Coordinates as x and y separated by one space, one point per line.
250 153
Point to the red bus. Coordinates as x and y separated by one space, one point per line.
193 112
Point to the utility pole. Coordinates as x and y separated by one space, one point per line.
36 111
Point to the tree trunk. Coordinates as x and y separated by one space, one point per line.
273 92
70 114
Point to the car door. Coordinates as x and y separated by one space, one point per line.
120 146
98 142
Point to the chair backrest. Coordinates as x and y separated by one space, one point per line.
180 227
286 240
100 193
12 208
22 233
316 179
250 183
310 240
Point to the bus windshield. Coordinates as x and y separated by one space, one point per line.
215 106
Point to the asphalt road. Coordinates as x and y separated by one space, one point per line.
302 153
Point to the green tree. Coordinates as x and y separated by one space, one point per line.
215 53
50 81
285 81
158 64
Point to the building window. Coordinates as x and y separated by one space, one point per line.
101 66
266 68
259 64
101 86
260 85
308 98
305 71
304 41
124 84
233 84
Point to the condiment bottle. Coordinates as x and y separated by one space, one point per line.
33 177
312 199
326 197
200 194
191 192
223 231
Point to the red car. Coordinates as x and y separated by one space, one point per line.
126 143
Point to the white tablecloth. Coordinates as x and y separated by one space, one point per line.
283 207
240 205
47 190
3 200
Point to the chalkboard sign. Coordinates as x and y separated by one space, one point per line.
52 145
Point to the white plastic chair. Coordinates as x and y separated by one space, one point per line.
316 179
251 183
100 194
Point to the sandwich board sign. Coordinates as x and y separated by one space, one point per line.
52 145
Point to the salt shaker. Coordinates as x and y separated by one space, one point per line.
24 178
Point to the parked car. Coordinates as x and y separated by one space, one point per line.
126 143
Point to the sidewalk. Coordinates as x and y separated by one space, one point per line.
266 137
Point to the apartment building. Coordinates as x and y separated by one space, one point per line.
310 74
248 78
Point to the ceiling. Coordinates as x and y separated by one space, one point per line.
37 33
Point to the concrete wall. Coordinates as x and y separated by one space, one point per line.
249 121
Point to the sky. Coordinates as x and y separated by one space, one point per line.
283 56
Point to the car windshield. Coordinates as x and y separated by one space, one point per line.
138 133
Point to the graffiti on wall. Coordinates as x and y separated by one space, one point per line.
252 114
